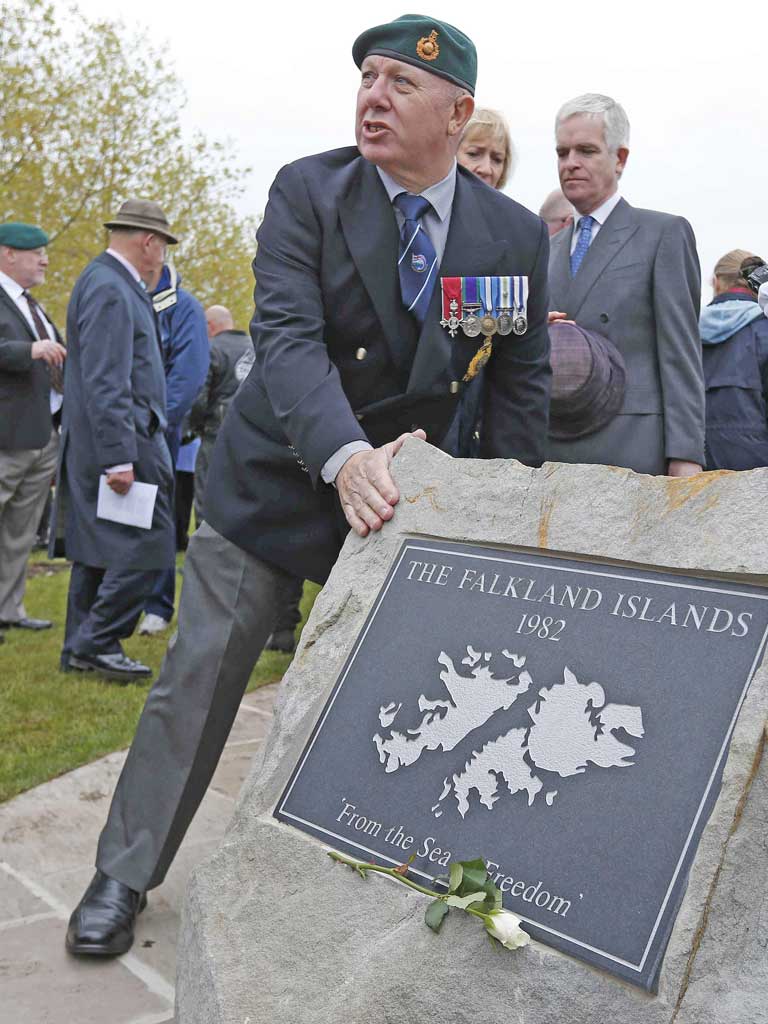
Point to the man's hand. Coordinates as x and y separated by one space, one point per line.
679 467
366 489
51 352
553 315
120 482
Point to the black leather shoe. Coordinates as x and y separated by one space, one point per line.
34 624
103 921
113 666
282 640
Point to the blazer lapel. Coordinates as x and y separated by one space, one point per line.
560 268
12 308
611 239
470 251
370 230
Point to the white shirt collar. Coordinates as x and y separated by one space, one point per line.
13 288
440 195
604 210
127 264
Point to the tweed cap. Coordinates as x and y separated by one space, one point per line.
425 43
588 381
22 236
144 215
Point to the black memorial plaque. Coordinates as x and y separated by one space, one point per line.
566 720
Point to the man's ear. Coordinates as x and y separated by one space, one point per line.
622 153
463 108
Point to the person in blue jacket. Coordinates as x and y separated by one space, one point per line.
734 337
186 354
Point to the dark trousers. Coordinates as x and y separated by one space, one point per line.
162 595
227 611
103 607
185 490
288 614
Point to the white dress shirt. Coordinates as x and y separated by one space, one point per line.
600 216
436 223
124 467
14 290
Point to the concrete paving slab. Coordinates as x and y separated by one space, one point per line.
16 901
234 767
40 983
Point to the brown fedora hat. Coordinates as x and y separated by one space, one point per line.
144 215
588 381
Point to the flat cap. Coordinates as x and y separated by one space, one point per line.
144 215
425 43
588 381
22 236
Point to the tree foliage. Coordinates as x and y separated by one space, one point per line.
90 116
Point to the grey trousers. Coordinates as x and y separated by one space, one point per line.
227 611
25 480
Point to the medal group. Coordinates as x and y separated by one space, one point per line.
487 306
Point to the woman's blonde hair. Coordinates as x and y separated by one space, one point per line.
728 268
490 122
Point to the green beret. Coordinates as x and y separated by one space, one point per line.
426 43
22 236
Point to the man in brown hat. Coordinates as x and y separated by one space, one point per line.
113 435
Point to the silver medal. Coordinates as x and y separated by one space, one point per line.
520 323
471 325
504 323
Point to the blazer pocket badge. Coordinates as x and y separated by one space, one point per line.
484 306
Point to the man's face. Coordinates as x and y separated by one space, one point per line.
26 266
402 117
153 250
589 171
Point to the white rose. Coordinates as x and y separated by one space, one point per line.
505 927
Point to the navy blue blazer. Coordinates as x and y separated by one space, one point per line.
339 359
114 412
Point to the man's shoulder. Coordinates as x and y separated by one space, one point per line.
320 167
655 219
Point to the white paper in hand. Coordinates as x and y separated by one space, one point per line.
133 509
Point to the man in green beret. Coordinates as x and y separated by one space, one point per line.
353 351
31 359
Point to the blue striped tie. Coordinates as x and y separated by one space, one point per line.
585 237
417 262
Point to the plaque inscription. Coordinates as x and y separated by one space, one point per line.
567 720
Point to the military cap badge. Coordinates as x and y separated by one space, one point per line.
427 47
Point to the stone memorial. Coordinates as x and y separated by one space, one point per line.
557 670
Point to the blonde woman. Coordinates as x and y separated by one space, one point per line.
486 147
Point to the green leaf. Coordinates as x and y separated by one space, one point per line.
436 911
462 902
493 894
474 876
457 872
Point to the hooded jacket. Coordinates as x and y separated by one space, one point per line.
186 352
734 336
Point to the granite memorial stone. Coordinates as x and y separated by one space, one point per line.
559 670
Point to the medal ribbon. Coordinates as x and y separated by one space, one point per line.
469 291
520 294
489 294
452 289
505 295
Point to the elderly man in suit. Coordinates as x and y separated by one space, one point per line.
350 356
113 430
31 358
632 275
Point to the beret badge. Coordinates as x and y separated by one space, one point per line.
427 47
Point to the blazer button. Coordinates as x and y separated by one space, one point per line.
454 388
361 354
604 318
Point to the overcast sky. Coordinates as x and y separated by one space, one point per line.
278 79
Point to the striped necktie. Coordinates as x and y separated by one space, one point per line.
582 244
54 372
417 261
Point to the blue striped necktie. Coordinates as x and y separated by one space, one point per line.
417 261
585 237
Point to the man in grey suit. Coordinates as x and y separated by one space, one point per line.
31 357
113 429
633 276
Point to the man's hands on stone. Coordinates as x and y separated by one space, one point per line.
51 352
120 482
366 489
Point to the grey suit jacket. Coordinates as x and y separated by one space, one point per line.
114 412
25 384
639 285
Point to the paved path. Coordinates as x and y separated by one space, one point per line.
47 845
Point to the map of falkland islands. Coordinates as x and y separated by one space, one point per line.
568 727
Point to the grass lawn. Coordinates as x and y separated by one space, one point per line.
51 722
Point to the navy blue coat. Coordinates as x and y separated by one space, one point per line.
335 353
114 412
736 376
